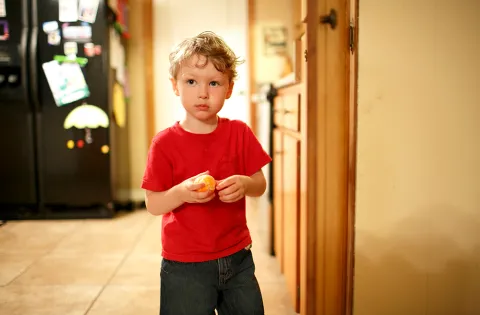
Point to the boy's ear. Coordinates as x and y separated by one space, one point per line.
230 90
174 86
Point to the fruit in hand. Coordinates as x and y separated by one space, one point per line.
208 180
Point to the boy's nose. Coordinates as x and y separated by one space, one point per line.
203 92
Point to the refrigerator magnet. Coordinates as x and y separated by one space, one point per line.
87 10
66 81
70 48
67 10
88 136
78 33
87 117
4 32
54 38
70 144
105 149
3 10
82 62
98 50
89 49
50 26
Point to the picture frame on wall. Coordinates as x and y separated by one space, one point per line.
275 40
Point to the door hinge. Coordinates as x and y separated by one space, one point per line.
352 37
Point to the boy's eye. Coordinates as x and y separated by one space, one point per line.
214 83
191 82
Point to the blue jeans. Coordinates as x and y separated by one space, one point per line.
227 284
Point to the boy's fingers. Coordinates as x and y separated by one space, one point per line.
192 186
231 197
228 190
198 175
205 196
224 183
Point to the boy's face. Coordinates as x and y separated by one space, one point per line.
202 90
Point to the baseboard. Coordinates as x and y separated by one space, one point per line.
135 195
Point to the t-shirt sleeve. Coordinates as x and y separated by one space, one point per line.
158 171
255 156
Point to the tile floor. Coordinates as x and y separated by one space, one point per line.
100 267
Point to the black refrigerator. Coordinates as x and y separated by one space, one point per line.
64 155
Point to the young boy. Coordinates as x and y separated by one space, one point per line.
207 263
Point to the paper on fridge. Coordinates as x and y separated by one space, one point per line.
66 81
68 10
87 10
3 11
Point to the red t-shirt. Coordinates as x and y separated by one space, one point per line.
200 232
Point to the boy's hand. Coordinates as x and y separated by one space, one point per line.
233 188
189 193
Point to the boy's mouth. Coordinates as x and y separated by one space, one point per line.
202 107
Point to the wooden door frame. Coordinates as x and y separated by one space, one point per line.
251 16
331 161
148 66
352 156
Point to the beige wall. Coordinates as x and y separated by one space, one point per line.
418 191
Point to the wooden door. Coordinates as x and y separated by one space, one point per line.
324 289
291 217
278 196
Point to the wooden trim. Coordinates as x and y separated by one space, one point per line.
332 220
148 66
352 158
308 283
328 128
251 63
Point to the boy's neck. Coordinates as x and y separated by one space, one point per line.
198 126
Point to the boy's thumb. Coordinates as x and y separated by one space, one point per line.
204 173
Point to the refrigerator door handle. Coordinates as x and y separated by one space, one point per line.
33 68
24 60
24 40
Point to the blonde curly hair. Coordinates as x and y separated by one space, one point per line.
212 47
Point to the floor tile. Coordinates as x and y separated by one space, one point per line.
46 300
151 240
276 299
139 270
56 269
60 267
12 265
89 243
127 300
125 223
41 227
267 269
38 237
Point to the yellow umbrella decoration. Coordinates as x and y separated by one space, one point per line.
86 116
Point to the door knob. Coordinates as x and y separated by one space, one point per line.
330 19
